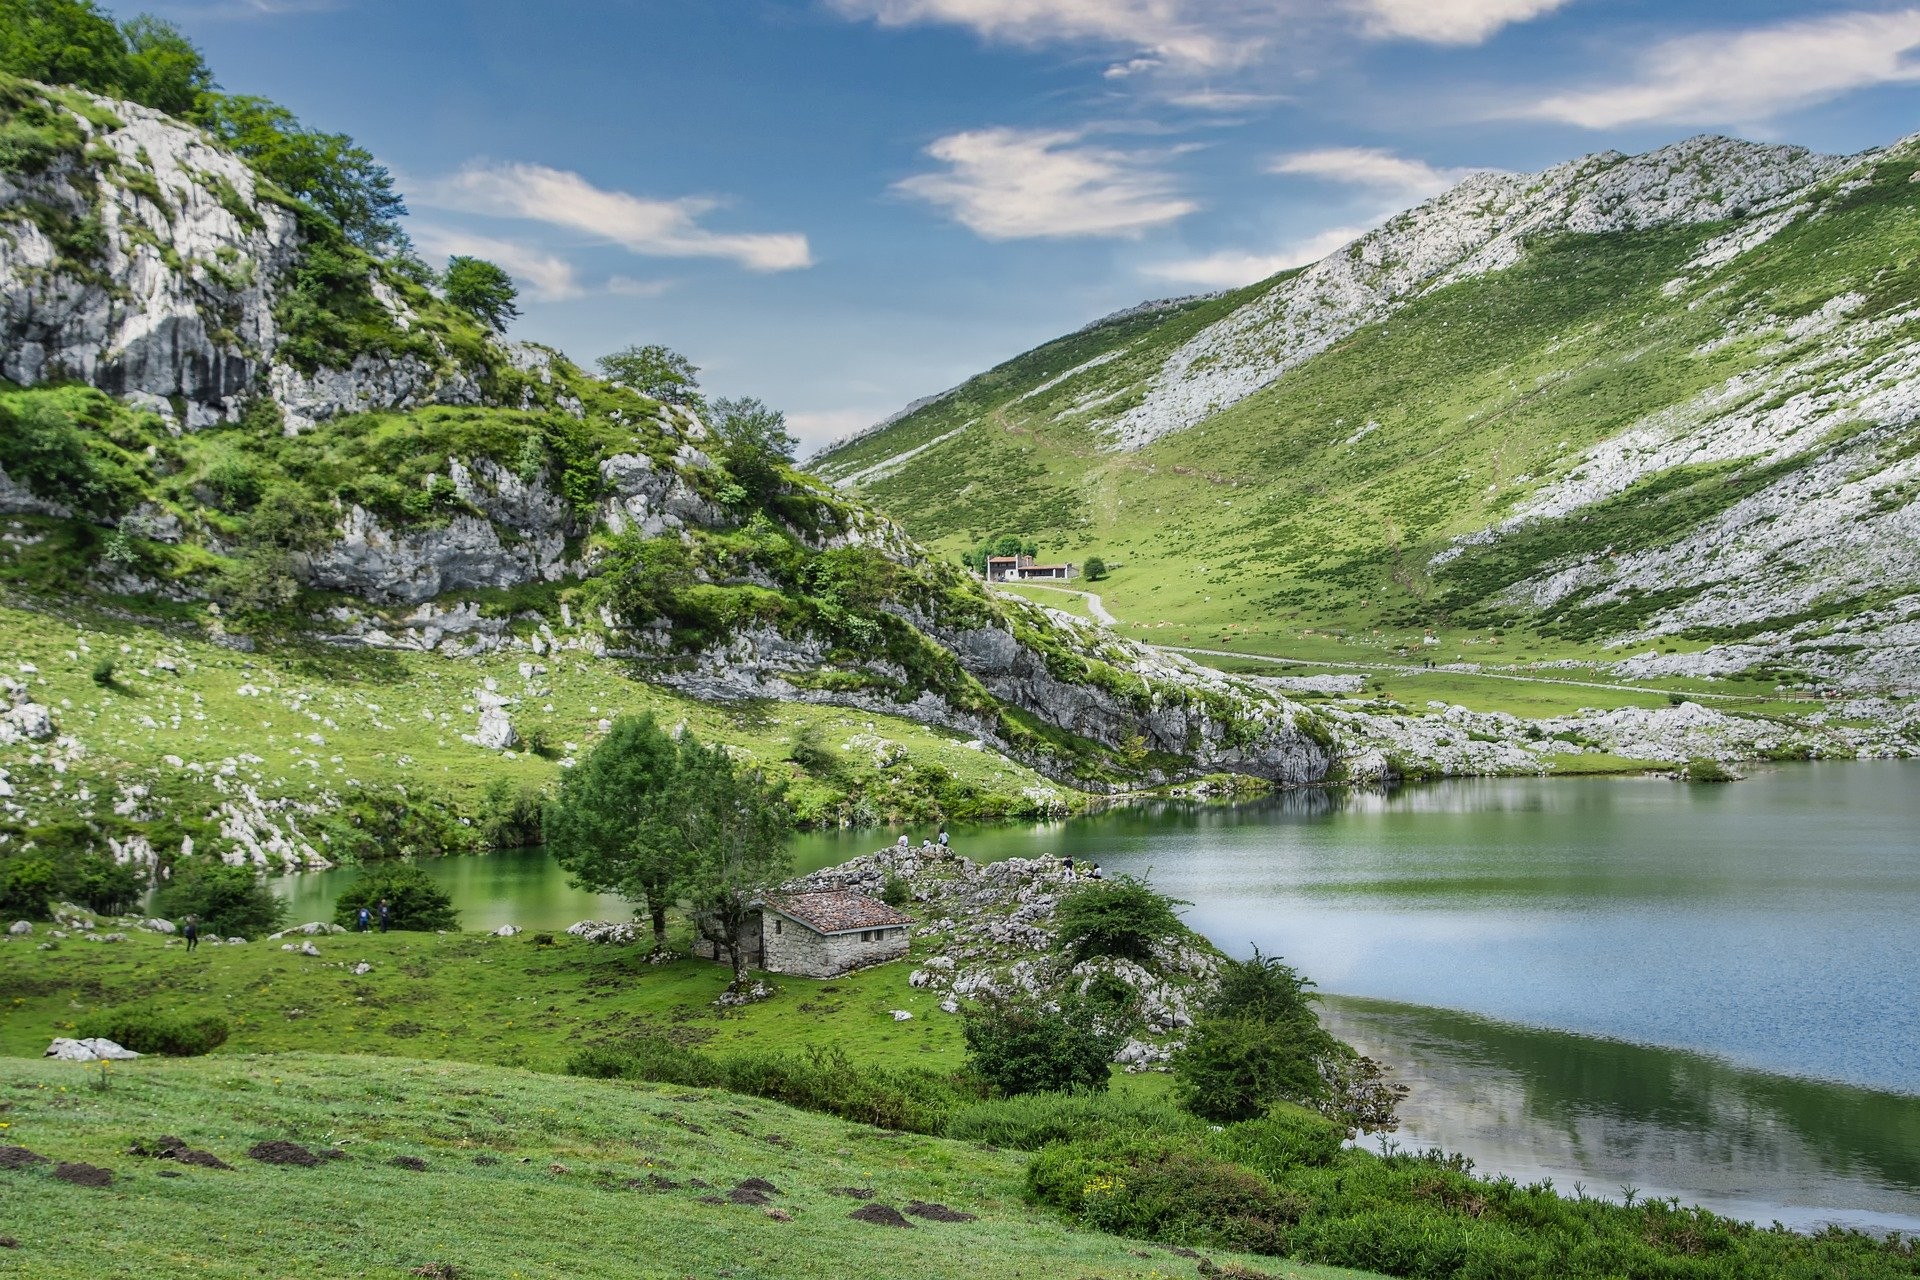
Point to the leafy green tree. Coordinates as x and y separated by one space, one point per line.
1265 989
1122 918
1024 1048
655 371
754 444
414 902
1232 1068
227 900
28 884
165 70
482 289
330 171
63 42
1095 568
735 825
615 823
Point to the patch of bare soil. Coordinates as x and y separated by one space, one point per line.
19 1158
937 1212
168 1147
880 1215
83 1175
283 1153
414 1163
858 1193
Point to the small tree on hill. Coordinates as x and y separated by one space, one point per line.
1231 1068
735 825
1095 568
227 900
755 443
483 290
655 371
1122 918
614 824
1023 1048
414 901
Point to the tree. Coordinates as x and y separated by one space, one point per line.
328 170
1231 1068
1024 1048
63 42
754 443
735 825
1121 918
614 824
1095 568
482 289
655 371
227 900
165 70
414 901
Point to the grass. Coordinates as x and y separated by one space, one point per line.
307 722
1312 509
559 1200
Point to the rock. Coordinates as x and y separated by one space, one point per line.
362 968
496 731
308 949
901 1015
106 937
605 931
20 928
158 926
97 1049
506 931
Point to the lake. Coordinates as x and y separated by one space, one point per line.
1704 991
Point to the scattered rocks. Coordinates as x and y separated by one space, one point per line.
752 993
622 933
936 1212
880 1215
285 1153
83 1175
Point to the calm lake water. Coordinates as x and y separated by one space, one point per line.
1701 991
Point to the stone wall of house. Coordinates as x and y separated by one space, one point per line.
794 948
704 948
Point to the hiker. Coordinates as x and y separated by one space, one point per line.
943 838
362 919
190 930
386 915
901 843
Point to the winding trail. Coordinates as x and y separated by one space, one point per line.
1097 607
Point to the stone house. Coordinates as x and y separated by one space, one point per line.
821 934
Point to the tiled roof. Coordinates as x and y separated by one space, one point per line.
836 911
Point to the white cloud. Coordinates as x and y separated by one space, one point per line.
628 287
1447 21
1229 269
1747 77
1191 33
1011 184
1222 100
546 277
657 228
1368 167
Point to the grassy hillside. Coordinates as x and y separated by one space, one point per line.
523 1174
1309 514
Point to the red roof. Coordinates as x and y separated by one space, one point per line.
836 911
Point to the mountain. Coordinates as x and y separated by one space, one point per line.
298 554
1651 415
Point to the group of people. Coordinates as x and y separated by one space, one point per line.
364 917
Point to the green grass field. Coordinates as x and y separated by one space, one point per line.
524 1175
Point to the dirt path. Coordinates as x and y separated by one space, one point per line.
1095 605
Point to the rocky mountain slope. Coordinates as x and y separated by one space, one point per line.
1655 414
226 426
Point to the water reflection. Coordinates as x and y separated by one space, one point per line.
1534 1104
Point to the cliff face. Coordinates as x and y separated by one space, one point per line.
290 432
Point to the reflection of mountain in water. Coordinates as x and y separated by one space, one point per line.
1535 1104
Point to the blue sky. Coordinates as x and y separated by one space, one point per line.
840 205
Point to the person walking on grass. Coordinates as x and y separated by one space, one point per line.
386 915
362 919
190 930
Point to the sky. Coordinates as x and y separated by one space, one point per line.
840 206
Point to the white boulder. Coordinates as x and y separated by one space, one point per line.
98 1049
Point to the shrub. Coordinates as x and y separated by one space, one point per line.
1029 1122
896 892
1286 1137
1704 770
103 673
145 1031
1158 1190
1232 1068
649 1057
1121 918
510 814
1022 1048
414 901
227 900
28 883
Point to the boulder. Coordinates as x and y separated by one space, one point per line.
98 1049
506 931
20 928
158 926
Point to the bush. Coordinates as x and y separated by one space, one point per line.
231 901
896 893
28 884
414 901
1121 918
1158 1190
1286 1137
103 673
1030 1121
1232 1068
510 814
1021 1048
144 1031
